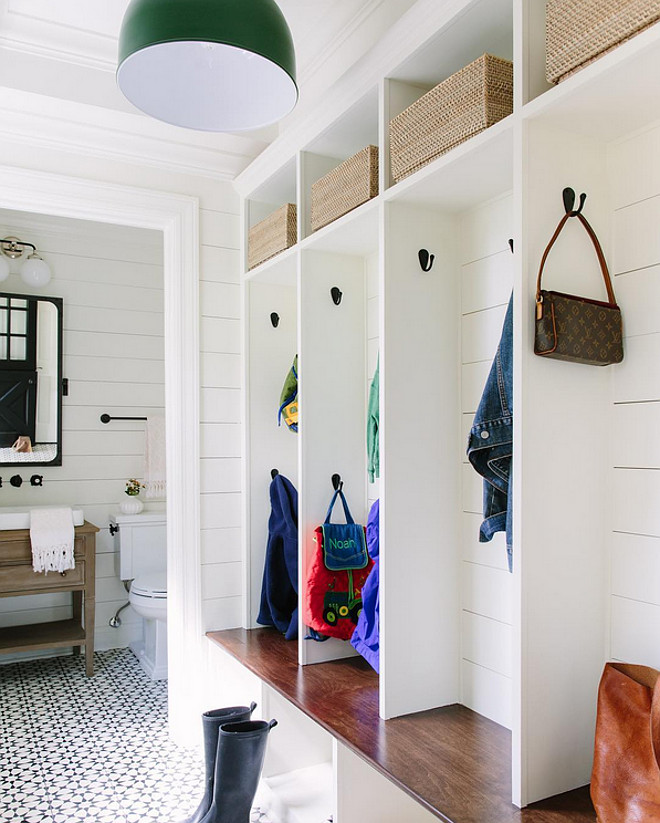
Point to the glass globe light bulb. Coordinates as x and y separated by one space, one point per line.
4 268
35 271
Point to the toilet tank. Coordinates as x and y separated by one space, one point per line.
140 543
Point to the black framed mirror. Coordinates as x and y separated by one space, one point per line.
30 380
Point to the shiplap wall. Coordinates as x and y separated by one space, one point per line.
635 442
220 343
111 281
486 281
219 310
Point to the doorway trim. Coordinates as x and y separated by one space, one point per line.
177 216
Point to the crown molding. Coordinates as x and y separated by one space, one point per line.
312 67
87 60
108 134
78 44
411 31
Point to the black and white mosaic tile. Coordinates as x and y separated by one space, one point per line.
91 750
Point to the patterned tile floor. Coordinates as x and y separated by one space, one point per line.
78 749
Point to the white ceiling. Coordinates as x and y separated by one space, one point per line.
86 30
65 50
83 33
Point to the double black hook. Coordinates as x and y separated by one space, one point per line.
569 201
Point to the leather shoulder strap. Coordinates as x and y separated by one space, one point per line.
599 253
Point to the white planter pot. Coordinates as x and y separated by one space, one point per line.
131 505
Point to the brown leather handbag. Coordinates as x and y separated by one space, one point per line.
625 781
573 328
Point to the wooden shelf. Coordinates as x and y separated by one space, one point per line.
51 635
451 760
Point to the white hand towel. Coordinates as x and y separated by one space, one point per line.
51 535
154 459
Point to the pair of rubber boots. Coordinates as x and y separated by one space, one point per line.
234 750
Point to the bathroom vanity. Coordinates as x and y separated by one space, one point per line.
17 578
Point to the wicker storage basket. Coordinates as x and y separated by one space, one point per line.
579 31
272 235
349 185
464 104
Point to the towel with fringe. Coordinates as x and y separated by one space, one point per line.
154 459
51 535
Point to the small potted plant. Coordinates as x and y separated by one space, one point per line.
133 505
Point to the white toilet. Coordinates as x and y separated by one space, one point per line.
141 545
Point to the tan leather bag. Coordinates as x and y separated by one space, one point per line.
625 781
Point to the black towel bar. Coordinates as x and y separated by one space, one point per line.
105 418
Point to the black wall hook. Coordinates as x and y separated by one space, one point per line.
16 481
37 480
336 482
274 473
511 244
568 196
425 259
275 319
336 295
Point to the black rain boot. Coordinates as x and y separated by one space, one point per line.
241 751
211 722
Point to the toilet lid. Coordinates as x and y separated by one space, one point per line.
150 584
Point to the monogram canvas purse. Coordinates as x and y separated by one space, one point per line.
574 328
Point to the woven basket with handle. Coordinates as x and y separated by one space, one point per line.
579 31
464 104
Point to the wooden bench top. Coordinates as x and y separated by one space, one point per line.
453 761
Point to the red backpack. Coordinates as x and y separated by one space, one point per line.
333 596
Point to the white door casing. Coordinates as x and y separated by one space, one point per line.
177 217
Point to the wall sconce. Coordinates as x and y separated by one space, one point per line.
34 271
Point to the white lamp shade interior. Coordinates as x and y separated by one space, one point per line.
35 272
207 86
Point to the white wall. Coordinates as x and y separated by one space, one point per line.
635 421
219 339
486 282
111 281
373 341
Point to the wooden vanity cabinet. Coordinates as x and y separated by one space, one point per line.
17 578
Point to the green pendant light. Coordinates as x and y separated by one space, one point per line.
212 65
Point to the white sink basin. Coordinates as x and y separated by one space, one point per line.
18 517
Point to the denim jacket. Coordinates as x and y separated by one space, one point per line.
490 444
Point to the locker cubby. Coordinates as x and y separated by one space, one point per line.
482 27
465 643
280 188
333 343
349 134
269 354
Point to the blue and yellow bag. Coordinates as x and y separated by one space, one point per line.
289 399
